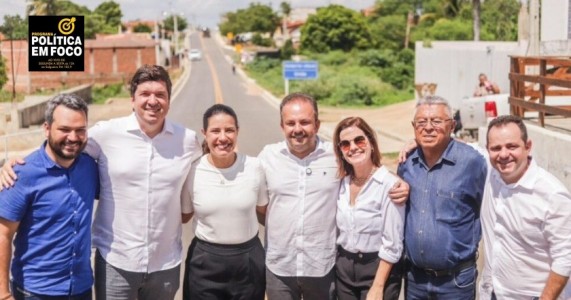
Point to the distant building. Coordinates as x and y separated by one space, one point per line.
292 28
555 33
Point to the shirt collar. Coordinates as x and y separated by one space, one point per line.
527 181
48 162
450 154
380 173
133 125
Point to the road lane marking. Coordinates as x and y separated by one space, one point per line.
218 98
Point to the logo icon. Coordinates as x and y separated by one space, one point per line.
66 25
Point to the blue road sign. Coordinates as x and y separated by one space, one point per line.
300 70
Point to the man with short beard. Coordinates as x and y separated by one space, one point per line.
50 211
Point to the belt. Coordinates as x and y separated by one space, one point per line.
448 272
358 255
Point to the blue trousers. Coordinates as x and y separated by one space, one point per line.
424 286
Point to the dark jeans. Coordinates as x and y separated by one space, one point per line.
20 294
460 285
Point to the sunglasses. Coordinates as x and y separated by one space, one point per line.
359 141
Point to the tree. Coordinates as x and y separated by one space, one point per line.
476 16
389 31
256 18
335 27
287 51
43 7
141 27
70 8
111 12
181 23
451 30
3 72
14 27
499 20
285 8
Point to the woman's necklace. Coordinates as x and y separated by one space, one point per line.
362 180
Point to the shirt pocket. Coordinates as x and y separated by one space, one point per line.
451 207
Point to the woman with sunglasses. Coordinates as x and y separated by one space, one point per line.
226 259
370 225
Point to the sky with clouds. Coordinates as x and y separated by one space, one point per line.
205 12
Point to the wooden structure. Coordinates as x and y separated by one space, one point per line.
528 92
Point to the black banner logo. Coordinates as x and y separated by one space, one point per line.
55 43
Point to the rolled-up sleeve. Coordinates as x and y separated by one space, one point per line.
393 232
558 233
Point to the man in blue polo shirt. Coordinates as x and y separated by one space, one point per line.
442 227
50 211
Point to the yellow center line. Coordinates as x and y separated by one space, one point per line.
218 98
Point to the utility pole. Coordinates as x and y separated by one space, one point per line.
175 17
409 21
533 48
13 71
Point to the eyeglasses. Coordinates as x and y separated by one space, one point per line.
359 141
421 123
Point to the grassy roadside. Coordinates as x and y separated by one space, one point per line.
345 79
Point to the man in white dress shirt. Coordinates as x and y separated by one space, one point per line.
143 161
526 220
301 175
303 186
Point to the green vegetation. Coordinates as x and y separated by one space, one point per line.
256 18
3 75
344 80
181 23
335 27
101 93
142 28
105 18
6 96
368 61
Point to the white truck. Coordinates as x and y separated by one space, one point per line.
476 111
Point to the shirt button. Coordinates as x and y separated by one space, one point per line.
73 254
360 255
420 232
422 211
421 252
75 232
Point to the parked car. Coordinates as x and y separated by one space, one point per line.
194 54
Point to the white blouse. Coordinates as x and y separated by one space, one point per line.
224 200
374 223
